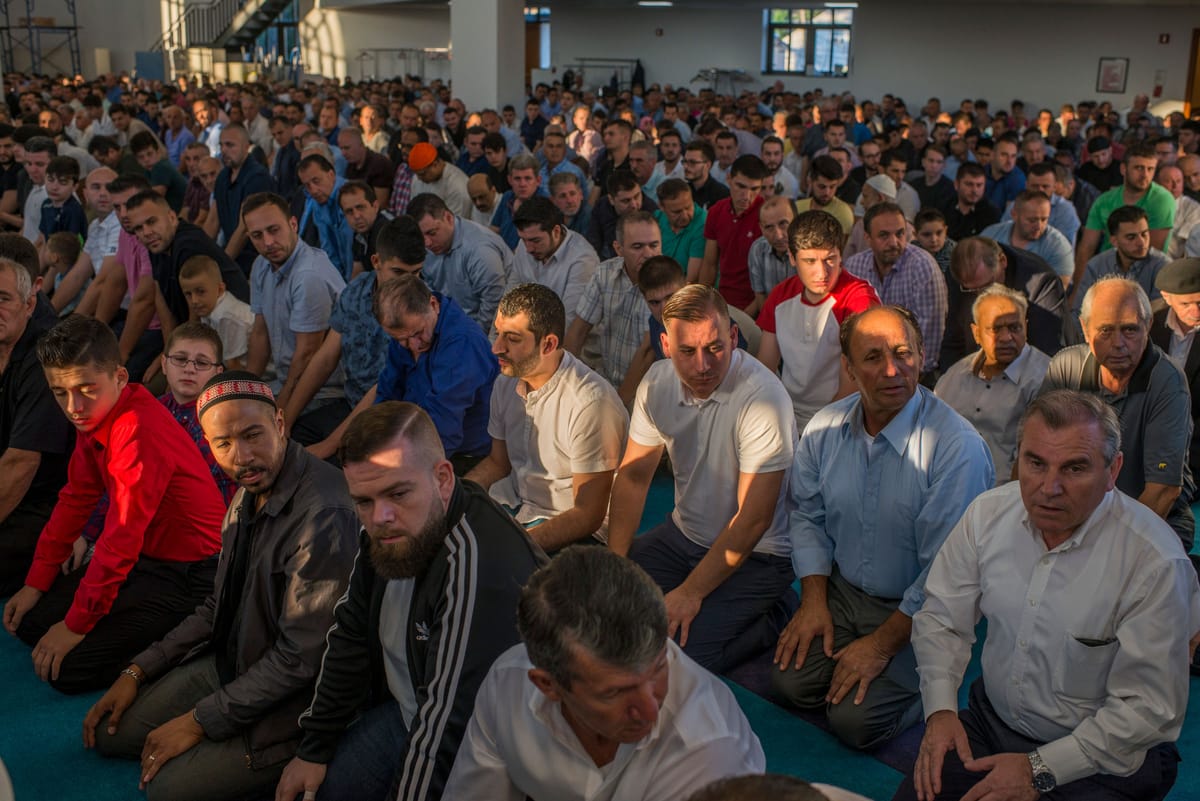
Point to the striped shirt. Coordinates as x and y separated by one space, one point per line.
613 304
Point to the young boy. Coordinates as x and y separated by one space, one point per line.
931 236
58 256
155 559
152 157
210 304
191 357
61 210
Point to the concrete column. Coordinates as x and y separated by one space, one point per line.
487 52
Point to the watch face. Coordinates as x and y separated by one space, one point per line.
1043 782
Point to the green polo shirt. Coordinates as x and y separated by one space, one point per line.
688 243
1158 204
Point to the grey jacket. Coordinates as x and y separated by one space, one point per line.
305 541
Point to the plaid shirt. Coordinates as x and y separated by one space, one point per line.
616 309
401 190
914 282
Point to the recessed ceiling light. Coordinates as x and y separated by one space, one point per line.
655 3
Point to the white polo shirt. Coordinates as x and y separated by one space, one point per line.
519 745
745 426
575 423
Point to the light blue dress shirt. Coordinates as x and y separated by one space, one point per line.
881 507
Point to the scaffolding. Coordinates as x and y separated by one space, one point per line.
45 40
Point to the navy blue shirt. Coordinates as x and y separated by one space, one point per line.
452 381
68 217
252 178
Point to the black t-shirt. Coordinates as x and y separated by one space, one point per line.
960 226
605 171
712 191
376 170
937 196
30 419
363 246
849 191
190 240
1104 179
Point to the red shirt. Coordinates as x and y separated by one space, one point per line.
163 504
850 295
734 235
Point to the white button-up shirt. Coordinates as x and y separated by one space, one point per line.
518 744
1087 644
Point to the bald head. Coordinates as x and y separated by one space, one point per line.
95 190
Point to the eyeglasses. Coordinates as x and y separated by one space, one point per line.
202 365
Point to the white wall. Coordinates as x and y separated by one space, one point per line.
1045 53
332 39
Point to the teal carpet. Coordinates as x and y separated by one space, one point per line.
41 741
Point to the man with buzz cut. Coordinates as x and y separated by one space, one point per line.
557 427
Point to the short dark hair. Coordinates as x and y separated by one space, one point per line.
658 272
878 210
928 215
1125 214
17 248
541 305
146 196
123 183
427 204
1139 150
538 211
826 167
400 239
893 155
704 148
79 341
672 188
143 140
495 142
41 144
1042 168
621 181
815 230
63 167
102 144
381 424
970 169
362 187
749 166
756 787
260 199
197 331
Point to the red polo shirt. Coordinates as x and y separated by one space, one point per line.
734 235
163 504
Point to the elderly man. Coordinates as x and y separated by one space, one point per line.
594 627
429 607
1030 230
1131 256
992 387
438 177
210 708
485 198
726 423
1187 210
902 274
35 437
976 264
548 253
1090 603
1176 317
802 316
611 310
879 479
1147 390
465 261
768 258
557 427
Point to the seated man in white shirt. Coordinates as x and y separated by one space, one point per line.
726 422
1090 602
598 703
557 427
992 386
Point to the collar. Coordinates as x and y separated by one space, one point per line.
457 240
1138 382
1094 521
285 269
753 210
533 396
1176 326
103 432
722 391
294 466
1012 372
898 429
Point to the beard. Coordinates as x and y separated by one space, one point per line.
412 555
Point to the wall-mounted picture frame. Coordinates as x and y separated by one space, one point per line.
1110 78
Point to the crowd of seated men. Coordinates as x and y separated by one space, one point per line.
329 414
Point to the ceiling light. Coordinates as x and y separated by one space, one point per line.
655 3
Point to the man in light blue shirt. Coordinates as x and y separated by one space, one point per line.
879 480
1063 216
1030 229
464 260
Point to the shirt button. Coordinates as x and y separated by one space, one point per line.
1032 602
1024 644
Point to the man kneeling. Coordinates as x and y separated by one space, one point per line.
597 702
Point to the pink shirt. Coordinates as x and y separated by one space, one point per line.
134 257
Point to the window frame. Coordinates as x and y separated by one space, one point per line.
803 20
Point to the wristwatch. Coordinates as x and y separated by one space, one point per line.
1043 777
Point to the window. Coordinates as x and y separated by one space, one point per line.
808 41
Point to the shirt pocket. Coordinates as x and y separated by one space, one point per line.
1082 672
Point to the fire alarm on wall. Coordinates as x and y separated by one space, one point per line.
658 32
1164 38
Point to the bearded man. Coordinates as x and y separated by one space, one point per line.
429 608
